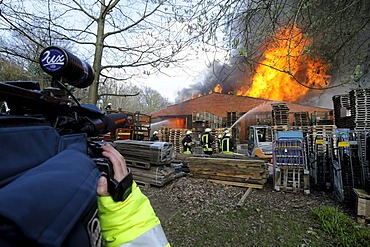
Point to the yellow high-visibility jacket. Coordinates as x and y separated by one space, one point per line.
132 222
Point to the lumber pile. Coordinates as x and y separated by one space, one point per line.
249 172
157 153
155 175
149 161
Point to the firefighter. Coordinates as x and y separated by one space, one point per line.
206 141
154 138
227 144
187 143
226 131
219 139
108 107
133 221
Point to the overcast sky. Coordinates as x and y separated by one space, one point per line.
175 79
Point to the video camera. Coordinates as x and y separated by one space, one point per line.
24 103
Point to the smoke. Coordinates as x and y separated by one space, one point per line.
228 75
346 51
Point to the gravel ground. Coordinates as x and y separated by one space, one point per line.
186 199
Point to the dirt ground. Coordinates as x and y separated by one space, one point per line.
186 198
186 192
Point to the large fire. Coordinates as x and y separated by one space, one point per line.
287 72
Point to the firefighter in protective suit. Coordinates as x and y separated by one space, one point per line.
206 141
219 139
187 143
154 138
227 144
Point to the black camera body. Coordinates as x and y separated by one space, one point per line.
24 103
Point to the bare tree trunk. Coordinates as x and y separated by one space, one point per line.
93 90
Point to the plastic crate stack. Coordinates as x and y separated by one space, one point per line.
319 146
290 164
349 172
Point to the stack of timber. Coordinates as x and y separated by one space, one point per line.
280 114
156 153
245 172
155 175
148 161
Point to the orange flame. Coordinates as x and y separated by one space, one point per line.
176 123
287 61
218 89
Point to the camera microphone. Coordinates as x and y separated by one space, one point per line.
60 63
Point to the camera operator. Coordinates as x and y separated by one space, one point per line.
132 221
57 187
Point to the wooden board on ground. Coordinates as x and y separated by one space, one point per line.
244 185
244 197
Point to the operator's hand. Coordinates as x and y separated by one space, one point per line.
119 167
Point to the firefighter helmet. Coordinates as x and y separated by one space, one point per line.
155 132
188 132
207 130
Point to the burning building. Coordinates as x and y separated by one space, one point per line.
286 72
251 110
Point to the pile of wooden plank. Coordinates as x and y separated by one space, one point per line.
155 175
245 172
157 153
149 161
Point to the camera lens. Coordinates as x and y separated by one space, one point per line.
58 62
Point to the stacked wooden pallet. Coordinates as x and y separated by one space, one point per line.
277 128
323 129
175 137
322 118
233 120
280 114
204 119
301 119
359 106
164 133
246 172
306 130
148 160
